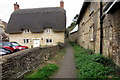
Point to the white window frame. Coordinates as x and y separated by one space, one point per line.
91 34
26 31
48 30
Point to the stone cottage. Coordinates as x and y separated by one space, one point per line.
37 27
3 35
92 16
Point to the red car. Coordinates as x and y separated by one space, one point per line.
13 46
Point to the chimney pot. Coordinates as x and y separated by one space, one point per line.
62 4
16 6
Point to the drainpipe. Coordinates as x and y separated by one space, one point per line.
102 16
101 28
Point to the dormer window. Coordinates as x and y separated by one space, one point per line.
48 30
26 31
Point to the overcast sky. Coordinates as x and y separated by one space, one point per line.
72 7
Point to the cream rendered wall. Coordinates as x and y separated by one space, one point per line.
55 36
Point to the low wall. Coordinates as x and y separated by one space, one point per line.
17 64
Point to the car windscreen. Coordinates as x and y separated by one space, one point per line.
15 44
6 44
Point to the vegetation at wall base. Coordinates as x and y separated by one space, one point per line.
43 73
93 65
49 67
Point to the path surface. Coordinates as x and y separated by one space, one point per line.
67 68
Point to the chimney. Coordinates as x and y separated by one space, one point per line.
62 4
16 6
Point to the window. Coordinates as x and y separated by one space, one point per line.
83 36
83 21
91 10
26 31
15 44
91 33
48 40
48 30
6 44
26 40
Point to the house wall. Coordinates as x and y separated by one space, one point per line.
111 40
85 25
55 36
111 32
73 37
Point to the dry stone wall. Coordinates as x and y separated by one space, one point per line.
17 64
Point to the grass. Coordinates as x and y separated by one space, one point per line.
44 72
57 57
49 68
92 66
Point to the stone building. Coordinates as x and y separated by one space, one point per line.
3 34
37 27
73 35
90 28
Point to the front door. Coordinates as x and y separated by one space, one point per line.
36 43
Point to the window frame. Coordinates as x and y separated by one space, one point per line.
91 33
26 31
26 40
48 30
49 40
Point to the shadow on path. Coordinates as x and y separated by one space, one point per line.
67 67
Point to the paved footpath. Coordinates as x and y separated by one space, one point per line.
67 68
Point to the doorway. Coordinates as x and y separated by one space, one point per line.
36 43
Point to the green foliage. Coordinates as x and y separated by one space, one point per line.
92 66
72 24
43 73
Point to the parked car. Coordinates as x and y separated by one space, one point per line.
13 46
4 51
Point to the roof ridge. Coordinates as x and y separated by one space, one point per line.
38 10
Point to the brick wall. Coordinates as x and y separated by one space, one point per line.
17 64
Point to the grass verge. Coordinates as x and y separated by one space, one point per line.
44 72
49 68
57 57
93 66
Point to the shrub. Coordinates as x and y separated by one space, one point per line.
92 66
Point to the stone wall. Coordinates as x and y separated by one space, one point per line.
73 37
111 31
90 21
17 64
111 45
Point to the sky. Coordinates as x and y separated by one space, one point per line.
72 7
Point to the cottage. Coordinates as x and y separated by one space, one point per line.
3 35
95 35
37 27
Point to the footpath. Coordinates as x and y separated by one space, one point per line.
67 67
